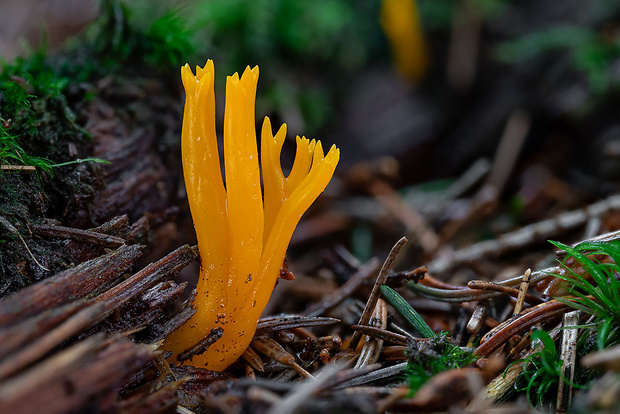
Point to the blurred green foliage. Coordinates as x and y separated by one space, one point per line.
541 371
592 46
330 34
439 14
591 53
305 50
120 36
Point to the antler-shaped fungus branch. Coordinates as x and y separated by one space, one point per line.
242 236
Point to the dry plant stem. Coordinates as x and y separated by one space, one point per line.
376 392
253 359
568 354
24 168
348 374
414 222
593 227
394 353
399 279
374 375
477 319
525 285
320 226
202 346
274 350
258 394
510 146
182 315
524 236
344 291
183 410
464 294
392 337
85 236
376 290
279 323
372 346
465 183
525 341
97 310
519 323
515 293
316 344
304 390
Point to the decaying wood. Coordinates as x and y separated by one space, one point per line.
51 357
55 329
86 236
85 279
89 372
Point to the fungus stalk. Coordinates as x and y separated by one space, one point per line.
242 233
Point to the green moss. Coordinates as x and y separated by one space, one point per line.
165 43
433 357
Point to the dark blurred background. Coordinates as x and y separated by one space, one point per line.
336 69
522 94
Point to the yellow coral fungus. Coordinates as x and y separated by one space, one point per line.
401 24
242 236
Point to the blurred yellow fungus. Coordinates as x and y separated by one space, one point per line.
401 23
242 235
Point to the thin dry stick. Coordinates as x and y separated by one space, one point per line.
376 289
510 146
484 285
28 168
85 236
344 291
524 236
373 346
567 354
381 334
202 345
525 285
416 224
304 390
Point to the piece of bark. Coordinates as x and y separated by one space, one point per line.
87 374
88 278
